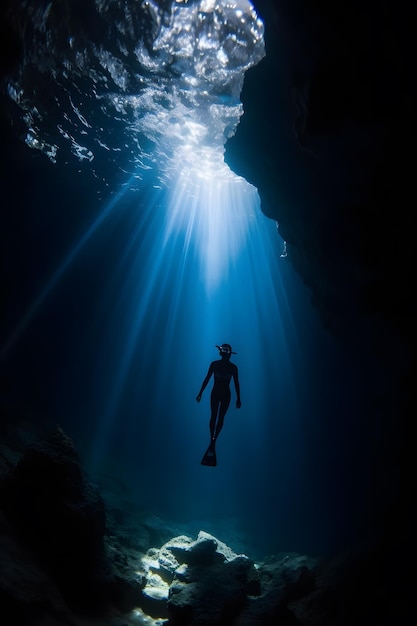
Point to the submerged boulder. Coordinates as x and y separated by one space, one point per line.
54 530
203 582
212 594
284 580
58 513
197 582
49 499
61 517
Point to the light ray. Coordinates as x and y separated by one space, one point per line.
57 276
204 269
212 205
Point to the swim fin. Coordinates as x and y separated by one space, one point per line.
209 457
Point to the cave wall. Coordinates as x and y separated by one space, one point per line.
327 137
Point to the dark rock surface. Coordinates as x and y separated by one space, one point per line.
66 561
325 138
213 586
26 589
57 512
325 135
54 524
120 577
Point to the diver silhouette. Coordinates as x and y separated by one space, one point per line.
223 371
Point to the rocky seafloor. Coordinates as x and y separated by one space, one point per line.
72 556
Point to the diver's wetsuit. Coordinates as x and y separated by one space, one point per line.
220 395
223 371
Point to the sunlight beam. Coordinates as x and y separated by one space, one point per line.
212 205
58 274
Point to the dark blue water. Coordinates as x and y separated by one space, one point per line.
110 320
116 348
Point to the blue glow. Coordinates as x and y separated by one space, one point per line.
110 333
199 265
40 299
202 267
214 209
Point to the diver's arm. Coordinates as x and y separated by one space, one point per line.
237 388
205 382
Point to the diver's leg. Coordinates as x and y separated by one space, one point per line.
224 405
214 406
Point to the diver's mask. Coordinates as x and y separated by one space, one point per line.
226 349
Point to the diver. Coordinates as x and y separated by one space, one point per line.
223 371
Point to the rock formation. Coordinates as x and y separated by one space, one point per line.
62 561
329 118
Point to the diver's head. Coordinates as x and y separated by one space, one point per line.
225 350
